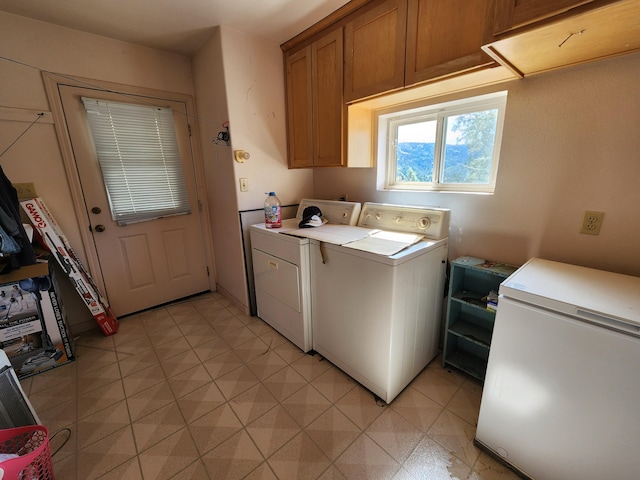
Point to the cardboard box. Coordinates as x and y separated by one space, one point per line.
50 233
33 332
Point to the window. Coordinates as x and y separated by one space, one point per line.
450 146
139 159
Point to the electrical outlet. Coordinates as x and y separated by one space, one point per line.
244 184
592 222
25 190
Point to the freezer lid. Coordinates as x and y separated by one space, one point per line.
589 293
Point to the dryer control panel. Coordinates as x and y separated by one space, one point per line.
431 222
336 212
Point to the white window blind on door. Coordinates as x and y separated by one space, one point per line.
139 158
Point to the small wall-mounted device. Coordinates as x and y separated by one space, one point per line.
241 156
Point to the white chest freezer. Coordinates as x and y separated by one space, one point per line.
560 399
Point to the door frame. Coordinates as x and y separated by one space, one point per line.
51 82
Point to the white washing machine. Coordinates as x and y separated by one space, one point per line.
377 302
281 269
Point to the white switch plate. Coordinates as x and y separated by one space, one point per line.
244 185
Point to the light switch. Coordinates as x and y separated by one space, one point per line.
244 185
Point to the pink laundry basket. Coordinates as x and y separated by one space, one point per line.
31 443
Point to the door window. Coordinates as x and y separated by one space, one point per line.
139 159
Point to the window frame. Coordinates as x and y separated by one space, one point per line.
386 121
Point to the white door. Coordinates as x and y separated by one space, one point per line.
143 264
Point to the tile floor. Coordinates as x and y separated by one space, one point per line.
197 390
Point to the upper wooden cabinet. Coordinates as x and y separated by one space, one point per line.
445 37
375 49
595 30
328 104
511 14
299 108
315 107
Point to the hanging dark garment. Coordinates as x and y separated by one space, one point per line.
12 225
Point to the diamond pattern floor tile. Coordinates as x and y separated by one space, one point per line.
311 366
299 458
431 460
365 459
334 384
200 402
237 381
157 426
266 364
214 428
129 470
169 457
234 458
360 406
211 348
306 405
106 454
253 403
98 378
168 350
284 383
223 364
133 363
198 390
263 472
195 471
99 399
435 386
456 435
272 430
143 379
333 432
189 380
417 408
466 402
105 422
397 436
143 403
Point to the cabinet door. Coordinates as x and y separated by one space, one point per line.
511 14
328 106
299 109
444 37
375 50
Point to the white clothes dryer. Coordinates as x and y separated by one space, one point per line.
377 302
281 269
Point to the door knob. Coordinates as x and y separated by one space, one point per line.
100 228
96 210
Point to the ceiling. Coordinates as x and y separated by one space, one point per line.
177 26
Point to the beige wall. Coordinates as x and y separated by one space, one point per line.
240 78
256 97
39 46
570 144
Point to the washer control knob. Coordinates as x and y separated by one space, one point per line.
378 216
398 219
424 223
